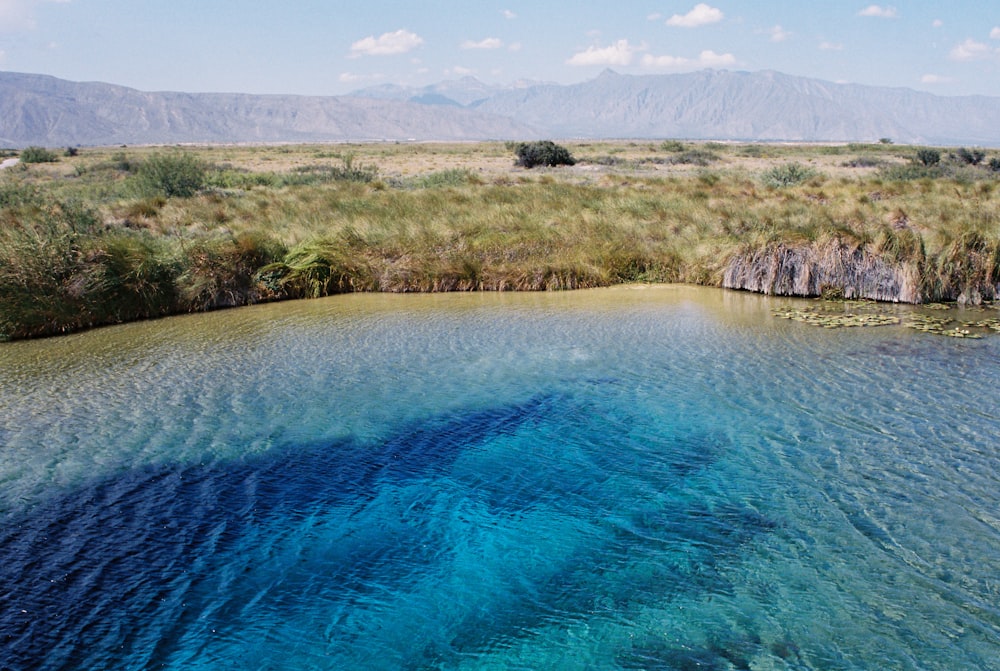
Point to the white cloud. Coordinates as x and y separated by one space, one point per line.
934 79
831 46
995 33
387 44
779 34
710 59
655 16
937 23
700 15
507 14
706 59
619 53
514 46
970 50
458 70
488 43
879 12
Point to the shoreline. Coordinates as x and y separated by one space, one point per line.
947 319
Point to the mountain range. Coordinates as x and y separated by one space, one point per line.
709 104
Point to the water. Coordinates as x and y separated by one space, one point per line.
659 478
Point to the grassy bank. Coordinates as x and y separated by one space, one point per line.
112 235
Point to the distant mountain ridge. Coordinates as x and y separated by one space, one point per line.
709 105
466 91
42 110
761 106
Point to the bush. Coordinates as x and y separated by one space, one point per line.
994 164
788 174
16 194
169 175
699 157
347 171
970 157
545 152
928 156
909 172
445 178
864 162
37 155
672 146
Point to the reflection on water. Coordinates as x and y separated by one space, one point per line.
635 478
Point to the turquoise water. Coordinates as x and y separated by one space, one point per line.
634 478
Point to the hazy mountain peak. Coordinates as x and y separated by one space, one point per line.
708 104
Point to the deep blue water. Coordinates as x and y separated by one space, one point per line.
667 478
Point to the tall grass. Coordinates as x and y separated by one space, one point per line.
86 247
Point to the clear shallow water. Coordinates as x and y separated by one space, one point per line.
659 478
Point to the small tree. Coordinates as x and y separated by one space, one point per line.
544 152
37 155
928 157
994 164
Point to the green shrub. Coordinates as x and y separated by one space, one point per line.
45 271
699 157
970 156
347 171
928 156
175 174
864 162
232 178
908 172
316 268
788 174
131 276
445 178
37 155
221 272
994 164
672 146
16 194
122 163
544 152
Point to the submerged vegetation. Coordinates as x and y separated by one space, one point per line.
112 235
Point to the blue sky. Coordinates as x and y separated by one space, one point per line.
329 48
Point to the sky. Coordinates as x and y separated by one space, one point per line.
311 47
